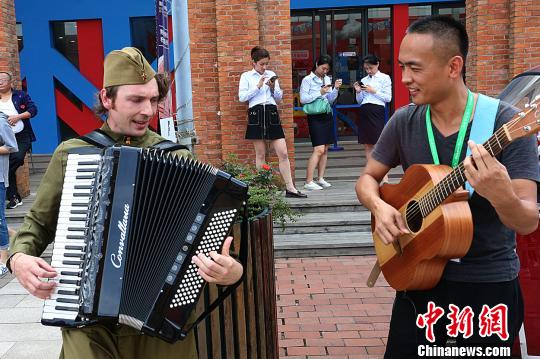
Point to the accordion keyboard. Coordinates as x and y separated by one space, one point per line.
69 247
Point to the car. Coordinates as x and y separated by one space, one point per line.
520 91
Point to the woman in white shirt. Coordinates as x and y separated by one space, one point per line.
261 88
373 93
314 86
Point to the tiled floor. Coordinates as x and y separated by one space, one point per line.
325 309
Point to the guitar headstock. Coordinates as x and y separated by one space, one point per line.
526 122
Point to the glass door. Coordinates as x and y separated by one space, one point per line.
346 35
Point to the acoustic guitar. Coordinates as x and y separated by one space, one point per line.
435 209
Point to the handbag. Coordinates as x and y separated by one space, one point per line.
317 107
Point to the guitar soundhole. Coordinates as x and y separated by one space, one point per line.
413 216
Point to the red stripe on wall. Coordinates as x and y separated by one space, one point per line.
91 53
81 122
400 24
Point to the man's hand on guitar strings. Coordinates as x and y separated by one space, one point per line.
221 268
486 174
389 223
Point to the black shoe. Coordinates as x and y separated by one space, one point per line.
14 203
298 194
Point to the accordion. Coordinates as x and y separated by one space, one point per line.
130 220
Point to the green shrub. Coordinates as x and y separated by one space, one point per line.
265 189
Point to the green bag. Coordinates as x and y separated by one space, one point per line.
317 107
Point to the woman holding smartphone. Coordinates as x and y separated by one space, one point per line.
261 88
314 86
373 93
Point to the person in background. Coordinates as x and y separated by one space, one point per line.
318 85
9 145
261 88
19 108
373 93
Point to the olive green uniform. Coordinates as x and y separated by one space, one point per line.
38 231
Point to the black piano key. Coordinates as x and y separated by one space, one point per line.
77 219
81 186
73 229
86 169
67 300
74 255
83 177
71 309
88 163
78 211
79 204
72 263
74 248
70 281
74 236
68 292
74 274
81 194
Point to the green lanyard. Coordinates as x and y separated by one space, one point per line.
461 135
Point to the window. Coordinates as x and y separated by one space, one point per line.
457 11
19 36
143 36
65 40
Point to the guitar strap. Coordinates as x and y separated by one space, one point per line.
483 124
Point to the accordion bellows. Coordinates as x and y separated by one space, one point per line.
130 221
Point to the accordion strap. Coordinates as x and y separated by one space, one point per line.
167 145
98 138
101 139
242 256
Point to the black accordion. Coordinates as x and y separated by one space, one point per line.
130 220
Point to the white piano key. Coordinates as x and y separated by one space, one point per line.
53 302
57 263
56 314
66 296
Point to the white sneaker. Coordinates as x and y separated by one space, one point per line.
3 270
312 186
321 182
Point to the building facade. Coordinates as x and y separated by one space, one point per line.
61 50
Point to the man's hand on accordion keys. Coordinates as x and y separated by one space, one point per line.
221 268
30 271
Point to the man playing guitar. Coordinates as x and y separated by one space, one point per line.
432 56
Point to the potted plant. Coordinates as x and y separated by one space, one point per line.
249 315
265 190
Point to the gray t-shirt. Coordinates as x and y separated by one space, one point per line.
492 256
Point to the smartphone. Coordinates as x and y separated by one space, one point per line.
273 78
327 85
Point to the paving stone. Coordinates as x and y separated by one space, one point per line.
30 302
11 300
29 332
20 315
333 328
42 349
4 348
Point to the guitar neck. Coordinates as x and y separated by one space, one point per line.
455 179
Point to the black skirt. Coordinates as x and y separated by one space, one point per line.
264 123
371 123
321 129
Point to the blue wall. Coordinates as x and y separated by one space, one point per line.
41 62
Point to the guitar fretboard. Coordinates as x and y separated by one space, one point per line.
455 179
